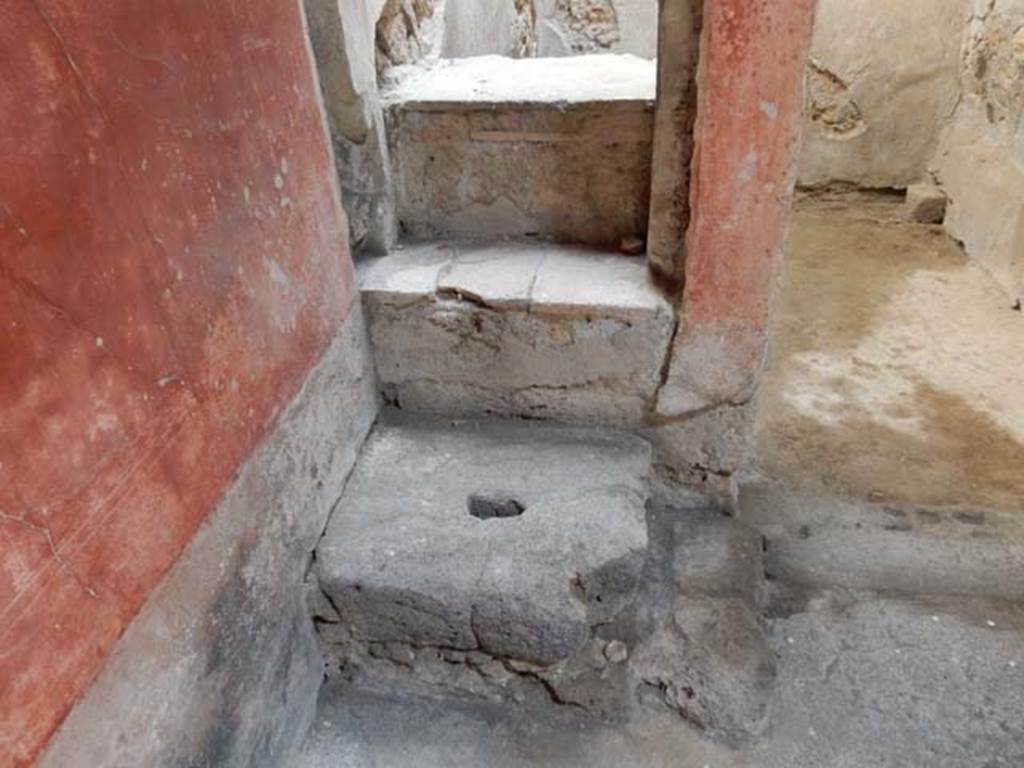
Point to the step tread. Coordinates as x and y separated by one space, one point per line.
594 78
534 275
406 561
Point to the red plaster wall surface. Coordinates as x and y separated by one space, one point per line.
172 262
751 75
750 79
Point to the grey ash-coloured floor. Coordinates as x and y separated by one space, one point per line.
864 680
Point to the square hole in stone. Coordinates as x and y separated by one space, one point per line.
492 506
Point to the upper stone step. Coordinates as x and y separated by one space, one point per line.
491 146
498 80
532 330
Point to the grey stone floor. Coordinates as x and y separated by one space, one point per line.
864 680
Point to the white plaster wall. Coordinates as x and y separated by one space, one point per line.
883 81
482 27
980 161
526 28
636 28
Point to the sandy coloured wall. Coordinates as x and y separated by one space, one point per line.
882 82
980 162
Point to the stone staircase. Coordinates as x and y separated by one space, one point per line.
496 540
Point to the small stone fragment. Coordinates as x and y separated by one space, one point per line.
496 672
616 652
926 204
524 667
632 246
400 654
394 652
477 658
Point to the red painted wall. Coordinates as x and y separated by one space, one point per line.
172 262
750 84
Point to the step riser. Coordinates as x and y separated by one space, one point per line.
457 360
518 331
573 174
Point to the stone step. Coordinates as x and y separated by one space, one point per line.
515 329
528 563
491 146
502 547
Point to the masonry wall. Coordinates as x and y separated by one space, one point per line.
173 264
980 161
549 27
882 82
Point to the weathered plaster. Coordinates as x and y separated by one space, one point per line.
882 82
749 87
221 667
343 37
174 261
674 113
980 162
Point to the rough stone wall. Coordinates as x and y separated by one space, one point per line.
980 162
882 81
173 265
221 668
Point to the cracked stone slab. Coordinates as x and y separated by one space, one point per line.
496 536
525 329
493 147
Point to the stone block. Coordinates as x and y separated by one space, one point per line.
512 329
488 147
817 540
718 557
712 665
492 537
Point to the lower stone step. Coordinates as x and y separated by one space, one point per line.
489 545
524 329
525 563
508 538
